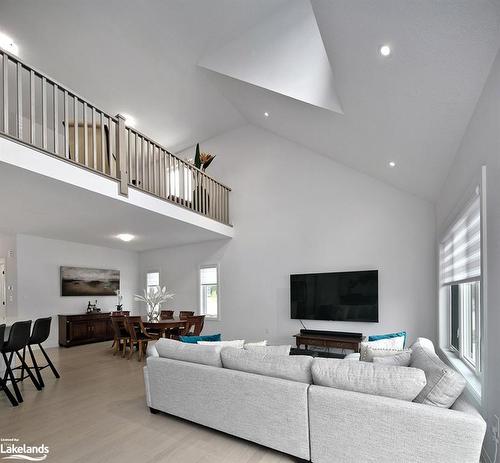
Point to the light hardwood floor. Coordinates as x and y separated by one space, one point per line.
96 412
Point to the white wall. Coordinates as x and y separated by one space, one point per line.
38 279
296 211
481 146
8 245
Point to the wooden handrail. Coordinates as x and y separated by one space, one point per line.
74 129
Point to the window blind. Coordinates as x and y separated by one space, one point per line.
460 254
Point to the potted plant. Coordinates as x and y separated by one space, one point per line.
154 297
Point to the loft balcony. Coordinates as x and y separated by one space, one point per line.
46 117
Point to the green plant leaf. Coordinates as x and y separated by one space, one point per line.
197 158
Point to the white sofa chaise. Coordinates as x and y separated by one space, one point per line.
272 401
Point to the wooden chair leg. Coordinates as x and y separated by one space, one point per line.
124 352
139 353
116 346
131 350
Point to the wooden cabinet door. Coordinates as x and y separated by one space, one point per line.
78 331
100 329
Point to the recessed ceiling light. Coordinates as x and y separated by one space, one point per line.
392 164
125 237
385 50
8 44
129 120
266 114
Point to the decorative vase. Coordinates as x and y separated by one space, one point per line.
153 312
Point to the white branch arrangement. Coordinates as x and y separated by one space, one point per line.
154 298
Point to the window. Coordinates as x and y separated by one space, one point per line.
460 265
152 281
209 291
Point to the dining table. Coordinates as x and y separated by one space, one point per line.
164 325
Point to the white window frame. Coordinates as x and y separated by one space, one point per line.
474 376
216 266
159 278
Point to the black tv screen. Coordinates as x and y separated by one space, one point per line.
341 296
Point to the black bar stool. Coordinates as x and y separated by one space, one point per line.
3 384
18 339
40 333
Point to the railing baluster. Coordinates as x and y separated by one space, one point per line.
85 136
5 93
94 139
44 113
103 144
75 127
137 160
112 152
19 101
130 164
56 119
66 125
32 107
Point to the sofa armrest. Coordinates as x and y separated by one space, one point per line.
349 426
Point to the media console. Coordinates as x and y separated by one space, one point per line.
337 339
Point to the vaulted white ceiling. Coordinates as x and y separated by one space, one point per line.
142 58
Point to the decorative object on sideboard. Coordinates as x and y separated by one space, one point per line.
119 300
78 281
92 308
154 297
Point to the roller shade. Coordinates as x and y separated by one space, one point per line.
460 255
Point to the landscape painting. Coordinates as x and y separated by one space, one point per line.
78 281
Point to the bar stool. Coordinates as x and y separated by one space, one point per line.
40 333
3 384
18 339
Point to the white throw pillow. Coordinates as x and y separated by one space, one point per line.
255 344
401 359
390 343
371 353
238 343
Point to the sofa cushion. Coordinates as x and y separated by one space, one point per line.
371 353
444 384
294 368
195 339
370 378
255 344
401 359
236 343
389 343
194 353
377 337
270 350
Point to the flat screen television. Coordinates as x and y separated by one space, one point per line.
340 296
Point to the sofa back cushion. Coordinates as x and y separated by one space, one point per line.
370 378
294 368
270 350
194 353
444 384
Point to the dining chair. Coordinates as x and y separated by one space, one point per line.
120 313
138 336
19 336
39 334
3 383
193 326
183 314
166 315
120 333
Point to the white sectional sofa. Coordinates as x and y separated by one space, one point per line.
310 408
